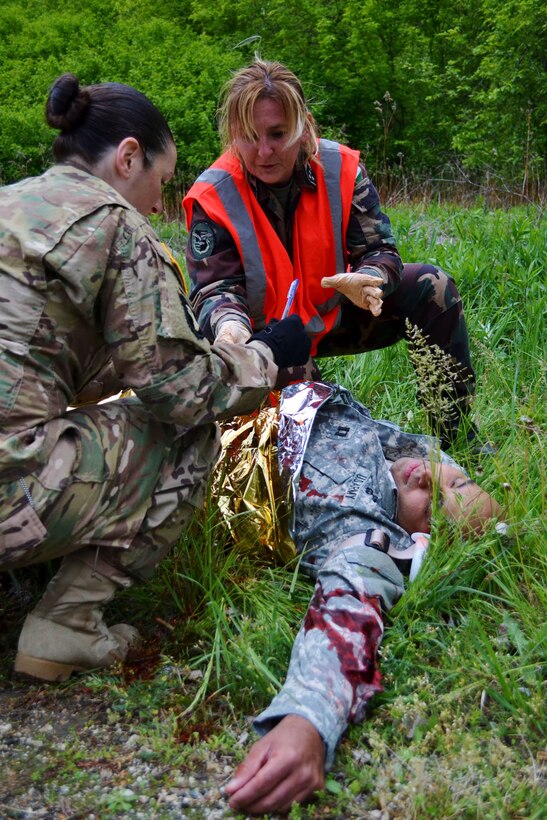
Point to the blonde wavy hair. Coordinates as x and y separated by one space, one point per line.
265 80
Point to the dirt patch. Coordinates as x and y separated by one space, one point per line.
73 751
64 756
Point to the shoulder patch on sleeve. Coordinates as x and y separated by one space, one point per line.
177 320
202 240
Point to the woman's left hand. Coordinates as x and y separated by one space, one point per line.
363 289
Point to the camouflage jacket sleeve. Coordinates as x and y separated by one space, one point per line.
219 291
156 345
333 671
369 238
344 528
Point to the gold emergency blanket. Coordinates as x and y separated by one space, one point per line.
248 486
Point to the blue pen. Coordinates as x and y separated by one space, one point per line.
290 298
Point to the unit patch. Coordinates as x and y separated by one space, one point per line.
202 240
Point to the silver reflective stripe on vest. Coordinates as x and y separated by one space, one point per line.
252 258
331 160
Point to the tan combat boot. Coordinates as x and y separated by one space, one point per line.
65 632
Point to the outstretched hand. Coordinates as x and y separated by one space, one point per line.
285 766
363 289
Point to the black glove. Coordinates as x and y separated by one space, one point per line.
287 340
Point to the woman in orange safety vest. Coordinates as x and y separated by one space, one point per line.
282 206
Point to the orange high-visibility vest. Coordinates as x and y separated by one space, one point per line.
319 236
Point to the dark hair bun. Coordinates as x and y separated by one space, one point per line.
67 103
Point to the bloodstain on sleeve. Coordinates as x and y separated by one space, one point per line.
354 627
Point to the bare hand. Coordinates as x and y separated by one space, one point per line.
285 766
363 289
236 333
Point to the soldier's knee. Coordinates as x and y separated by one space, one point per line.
186 470
198 450
437 287
445 280
416 272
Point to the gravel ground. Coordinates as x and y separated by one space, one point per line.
39 727
63 757
65 754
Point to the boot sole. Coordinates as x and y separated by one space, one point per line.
52 671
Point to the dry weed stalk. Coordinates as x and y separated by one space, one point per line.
436 374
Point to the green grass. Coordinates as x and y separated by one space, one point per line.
459 730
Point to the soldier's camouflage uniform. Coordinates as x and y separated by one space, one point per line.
345 503
89 303
421 293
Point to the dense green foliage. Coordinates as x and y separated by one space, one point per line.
442 89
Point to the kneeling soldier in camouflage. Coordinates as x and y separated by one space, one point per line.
91 303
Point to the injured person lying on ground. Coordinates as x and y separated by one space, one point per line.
363 495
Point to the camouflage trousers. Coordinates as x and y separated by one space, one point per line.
118 481
429 299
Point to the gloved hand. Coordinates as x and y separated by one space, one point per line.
363 289
287 340
236 333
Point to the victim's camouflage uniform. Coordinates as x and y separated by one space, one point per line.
89 303
345 504
421 293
